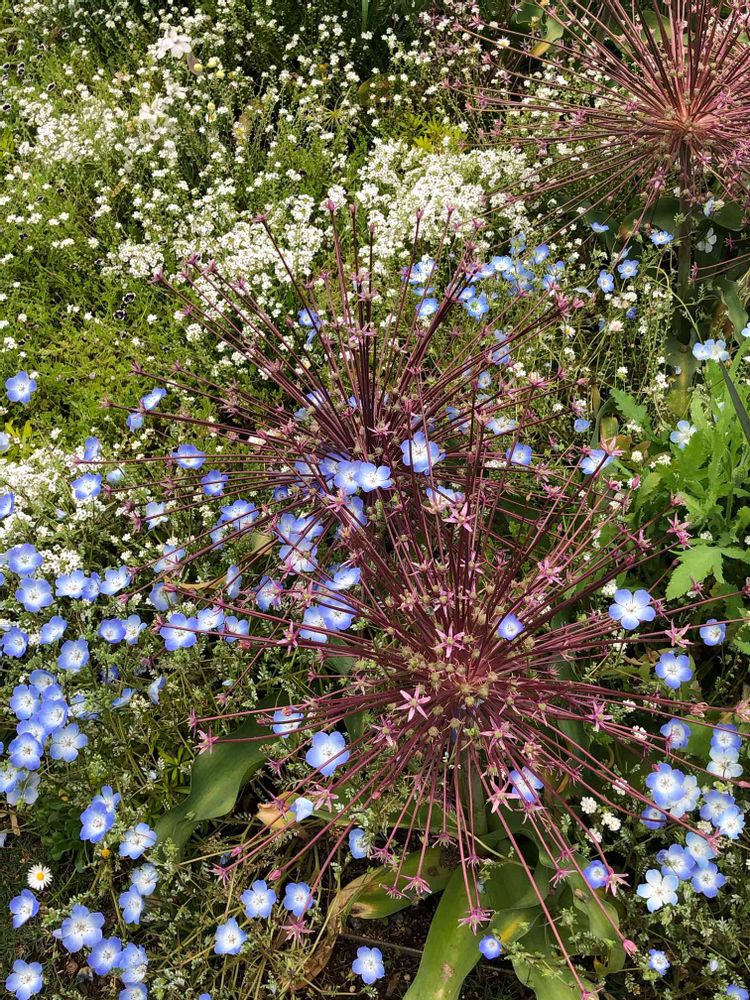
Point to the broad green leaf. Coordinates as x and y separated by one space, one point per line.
729 216
216 779
696 564
549 981
730 296
452 949
373 902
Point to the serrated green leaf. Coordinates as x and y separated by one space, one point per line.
217 778
696 564
632 411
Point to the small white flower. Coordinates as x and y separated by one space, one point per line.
38 877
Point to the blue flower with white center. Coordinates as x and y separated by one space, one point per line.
676 861
308 318
490 946
239 516
52 630
738 992
155 688
427 308
154 514
302 808
132 905
715 804
258 900
519 454
358 843
657 960
4 442
114 581
82 929
420 454
666 785
144 879
15 643
34 594
689 798
606 282
133 964
162 598
268 593
23 702
661 238
368 965
213 483
315 624
477 306
66 743
724 764
597 874
658 890
707 880
297 898
682 434
674 669
712 633
630 609
134 421
23 560
24 906
19 387
580 425
700 849
7 505
96 821
327 752
731 823
599 227
187 456
525 784
25 751
25 789
373 477
596 460
105 955
628 269
86 486
346 478
210 619
726 737
73 655
136 841
337 613
152 398
112 630
711 350
510 627
179 632
25 980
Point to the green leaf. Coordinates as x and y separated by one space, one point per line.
372 902
730 296
729 216
739 408
549 981
452 949
217 778
696 563
631 410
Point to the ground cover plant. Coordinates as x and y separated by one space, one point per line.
375 500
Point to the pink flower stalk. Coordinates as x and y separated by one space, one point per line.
453 749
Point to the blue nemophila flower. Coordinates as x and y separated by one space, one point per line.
715 805
678 861
726 737
707 880
302 808
96 821
152 399
661 238
73 655
666 785
327 752
630 609
136 841
268 593
15 642
7 505
144 879
23 702
525 784
24 906
19 387
34 594
154 515
658 961
674 669
682 434
112 630
368 965
731 823
599 227
606 281
427 308
258 900
229 938
490 946
23 560
628 269
25 980
86 486
510 627
105 956
597 874
133 964
346 477
239 516
700 849
477 306
596 460
373 477
315 624
132 905
658 890
724 763
67 742
123 698
134 991
519 454
187 456
213 483
155 688
580 425
114 580
358 843
82 929
25 751
52 630
738 992
297 898
134 421
4 442
420 454
179 632
677 734
712 633
711 350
